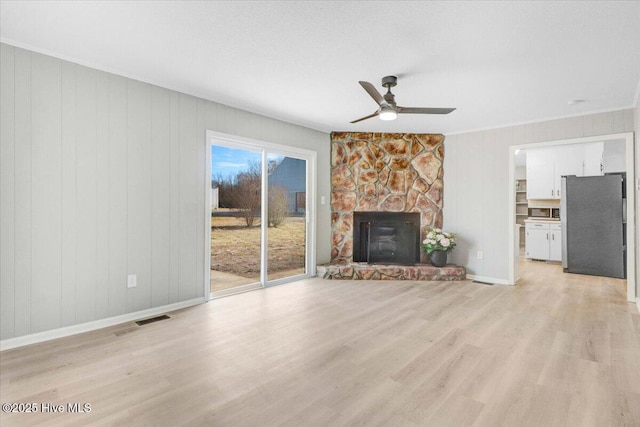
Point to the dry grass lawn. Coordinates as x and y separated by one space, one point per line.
235 248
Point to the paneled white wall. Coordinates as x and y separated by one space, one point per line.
637 153
103 176
476 178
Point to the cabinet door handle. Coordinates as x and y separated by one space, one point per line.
551 193
547 236
553 237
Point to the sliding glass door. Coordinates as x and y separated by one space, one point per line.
286 213
260 215
236 239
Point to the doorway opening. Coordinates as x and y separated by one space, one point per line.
537 206
260 215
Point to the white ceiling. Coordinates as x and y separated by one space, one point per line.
499 63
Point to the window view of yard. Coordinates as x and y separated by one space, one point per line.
235 218
235 250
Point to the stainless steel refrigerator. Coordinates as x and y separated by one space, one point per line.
592 214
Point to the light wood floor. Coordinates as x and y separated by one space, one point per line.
556 350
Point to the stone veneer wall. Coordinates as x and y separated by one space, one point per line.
383 172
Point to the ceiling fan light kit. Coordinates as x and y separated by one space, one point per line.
387 114
388 109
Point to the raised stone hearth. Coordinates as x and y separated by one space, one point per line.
365 271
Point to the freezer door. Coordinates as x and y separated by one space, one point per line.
594 225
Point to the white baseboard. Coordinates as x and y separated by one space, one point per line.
489 280
638 304
93 325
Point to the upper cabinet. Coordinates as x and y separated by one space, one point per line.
614 156
569 161
593 158
545 166
540 173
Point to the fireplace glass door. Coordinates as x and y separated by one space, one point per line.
386 237
391 243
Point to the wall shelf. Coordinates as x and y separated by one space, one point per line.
522 204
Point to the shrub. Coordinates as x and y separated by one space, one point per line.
278 205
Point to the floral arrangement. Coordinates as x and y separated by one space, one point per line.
438 240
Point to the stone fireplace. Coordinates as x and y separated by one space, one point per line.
396 175
381 172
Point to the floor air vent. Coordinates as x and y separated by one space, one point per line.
152 319
482 283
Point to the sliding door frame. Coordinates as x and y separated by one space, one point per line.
265 148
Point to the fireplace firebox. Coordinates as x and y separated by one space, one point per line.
386 237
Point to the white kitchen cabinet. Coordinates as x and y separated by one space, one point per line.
537 241
555 243
569 160
540 167
546 166
614 154
593 158
544 241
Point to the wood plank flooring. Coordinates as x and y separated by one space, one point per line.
556 350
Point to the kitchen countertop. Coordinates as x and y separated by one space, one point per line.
542 220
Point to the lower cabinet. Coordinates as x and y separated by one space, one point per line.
544 241
555 242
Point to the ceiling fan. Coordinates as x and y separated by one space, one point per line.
389 110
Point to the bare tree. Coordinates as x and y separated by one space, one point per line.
278 205
245 194
225 189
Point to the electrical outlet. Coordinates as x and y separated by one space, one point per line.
480 255
132 281
322 200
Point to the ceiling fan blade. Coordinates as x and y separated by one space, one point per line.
373 92
413 110
365 117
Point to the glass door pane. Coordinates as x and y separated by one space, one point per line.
236 200
286 212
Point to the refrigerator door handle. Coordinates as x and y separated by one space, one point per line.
563 222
